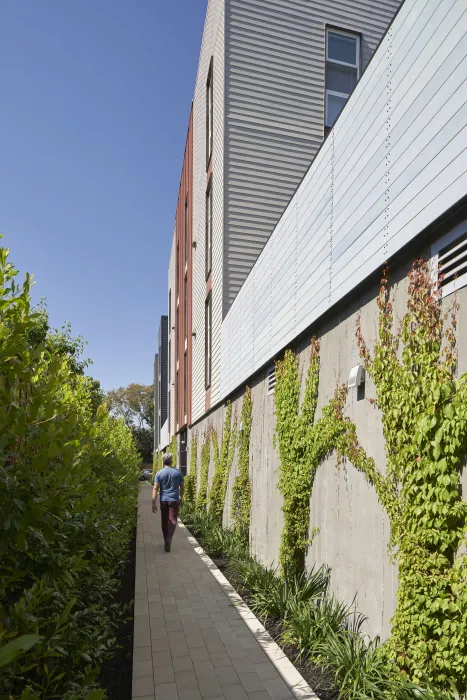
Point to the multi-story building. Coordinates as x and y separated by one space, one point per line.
272 78
311 167
157 426
161 364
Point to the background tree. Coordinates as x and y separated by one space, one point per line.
135 404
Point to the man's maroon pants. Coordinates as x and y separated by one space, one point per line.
169 515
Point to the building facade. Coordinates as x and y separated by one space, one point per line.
313 166
271 80
157 425
161 364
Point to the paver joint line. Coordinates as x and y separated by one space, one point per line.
193 630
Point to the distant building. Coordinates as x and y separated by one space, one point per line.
160 382
157 427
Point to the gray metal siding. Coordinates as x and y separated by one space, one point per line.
394 162
274 110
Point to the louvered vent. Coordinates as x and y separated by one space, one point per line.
452 264
271 380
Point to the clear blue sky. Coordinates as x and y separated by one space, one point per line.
94 108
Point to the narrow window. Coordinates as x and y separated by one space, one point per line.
209 228
186 230
185 385
170 360
209 114
208 341
170 310
342 71
177 274
177 399
185 307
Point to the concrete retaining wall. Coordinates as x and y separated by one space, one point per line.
353 529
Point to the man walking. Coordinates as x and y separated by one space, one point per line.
169 481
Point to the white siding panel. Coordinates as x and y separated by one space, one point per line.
212 45
218 208
395 161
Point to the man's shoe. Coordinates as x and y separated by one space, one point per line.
167 545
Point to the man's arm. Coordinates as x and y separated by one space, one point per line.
182 491
155 493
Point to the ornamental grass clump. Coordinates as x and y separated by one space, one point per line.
68 487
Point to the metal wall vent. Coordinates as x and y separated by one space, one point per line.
452 264
271 380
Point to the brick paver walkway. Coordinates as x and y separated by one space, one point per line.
190 642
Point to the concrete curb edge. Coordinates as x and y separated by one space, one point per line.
292 678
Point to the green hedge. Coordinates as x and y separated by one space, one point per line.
68 487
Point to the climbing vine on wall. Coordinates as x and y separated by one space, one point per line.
156 464
302 445
223 458
424 417
241 492
202 497
191 477
173 450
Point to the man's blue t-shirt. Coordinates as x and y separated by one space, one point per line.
169 480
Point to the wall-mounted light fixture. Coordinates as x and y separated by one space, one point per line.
356 377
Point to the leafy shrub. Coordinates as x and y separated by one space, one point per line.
284 593
308 624
68 486
358 667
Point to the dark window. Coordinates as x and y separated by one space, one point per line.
170 360
186 230
342 71
170 310
209 228
183 451
185 385
209 114
208 341
185 307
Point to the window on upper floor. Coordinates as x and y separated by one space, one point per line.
185 385
209 228
170 360
209 114
342 71
208 342
185 307
177 334
186 230
177 275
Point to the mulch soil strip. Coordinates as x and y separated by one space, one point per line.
116 674
318 680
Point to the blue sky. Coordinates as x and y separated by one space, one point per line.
95 101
